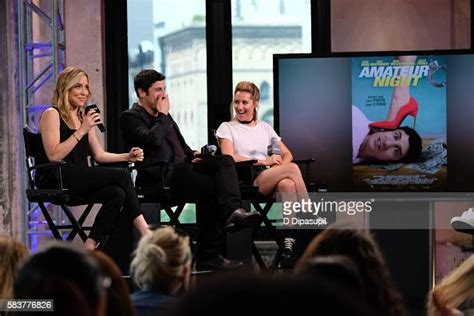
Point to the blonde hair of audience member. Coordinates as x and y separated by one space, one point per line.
12 254
118 294
457 287
68 78
250 87
162 261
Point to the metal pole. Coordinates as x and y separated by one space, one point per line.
21 60
54 38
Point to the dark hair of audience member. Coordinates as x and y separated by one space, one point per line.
250 294
362 249
118 294
68 298
12 255
336 269
72 269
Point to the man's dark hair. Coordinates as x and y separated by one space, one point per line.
146 78
414 141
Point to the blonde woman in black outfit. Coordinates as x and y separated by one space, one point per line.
68 134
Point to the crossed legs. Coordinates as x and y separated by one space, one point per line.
284 178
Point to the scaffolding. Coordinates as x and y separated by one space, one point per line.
40 60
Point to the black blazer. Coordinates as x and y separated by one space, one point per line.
140 129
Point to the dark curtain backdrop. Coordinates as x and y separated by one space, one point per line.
121 242
116 69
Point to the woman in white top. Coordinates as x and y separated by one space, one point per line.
246 138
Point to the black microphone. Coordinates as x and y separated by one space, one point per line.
274 147
95 108
208 150
212 149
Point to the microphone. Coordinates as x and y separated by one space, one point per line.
212 149
273 148
209 150
95 108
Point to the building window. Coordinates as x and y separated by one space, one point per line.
261 28
264 91
170 36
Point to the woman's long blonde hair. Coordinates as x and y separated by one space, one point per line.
12 255
66 80
456 288
160 259
250 87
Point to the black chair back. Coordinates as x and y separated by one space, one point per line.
34 152
34 146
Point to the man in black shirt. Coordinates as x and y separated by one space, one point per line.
211 183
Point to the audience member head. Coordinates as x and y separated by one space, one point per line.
68 275
162 261
455 289
243 293
118 294
145 79
362 249
336 269
68 299
248 92
68 80
12 255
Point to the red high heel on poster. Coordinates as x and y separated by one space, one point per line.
410 108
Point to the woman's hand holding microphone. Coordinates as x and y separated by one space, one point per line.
90 120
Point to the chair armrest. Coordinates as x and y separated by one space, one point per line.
48 165
121 164
139 167
161 168
304 161
246 163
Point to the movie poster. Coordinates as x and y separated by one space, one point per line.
399 123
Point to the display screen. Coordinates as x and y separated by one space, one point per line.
379 122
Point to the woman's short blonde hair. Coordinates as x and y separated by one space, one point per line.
250 87
457 287
66 80
160 259
12 255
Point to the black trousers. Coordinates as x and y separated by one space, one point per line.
213 185
112 187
